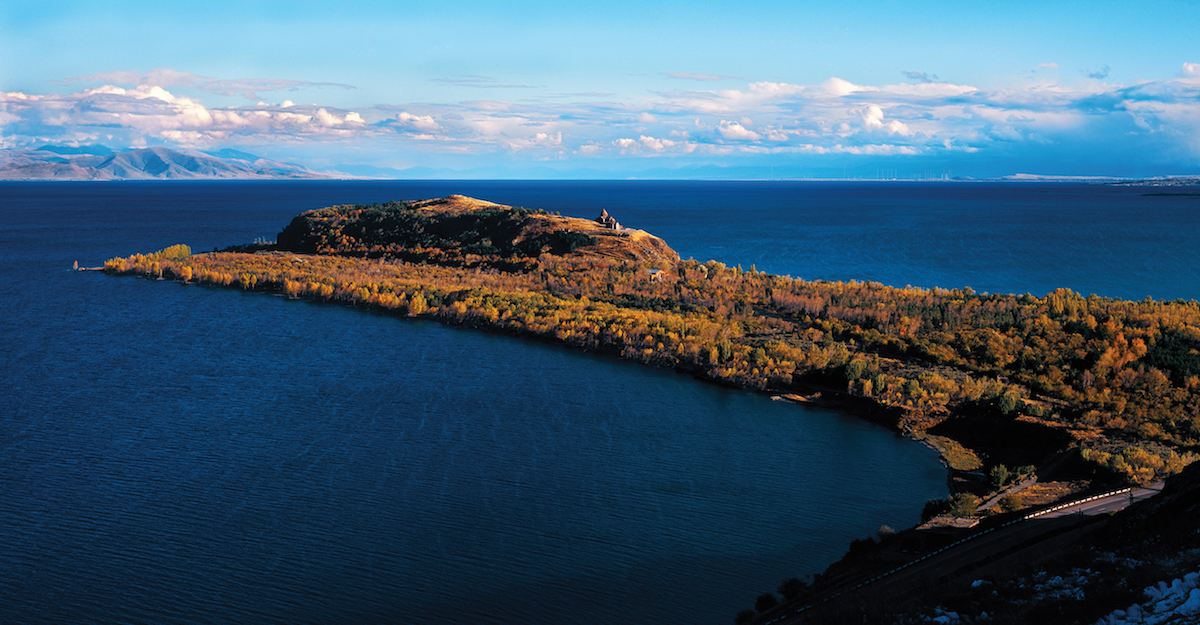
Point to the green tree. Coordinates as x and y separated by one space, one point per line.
725 350
999 476
964 505
1009 402
856 369
912 387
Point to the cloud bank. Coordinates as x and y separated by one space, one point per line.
921 120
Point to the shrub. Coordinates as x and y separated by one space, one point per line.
934 507
1010 402
765 602
856 369
173 252
999 476
859 546
791 588
964 505
1011 503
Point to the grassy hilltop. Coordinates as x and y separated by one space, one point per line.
462 231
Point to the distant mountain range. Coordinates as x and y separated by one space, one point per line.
97 162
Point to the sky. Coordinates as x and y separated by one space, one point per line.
794 89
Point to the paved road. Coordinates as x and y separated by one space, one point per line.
994 542
987 544
1108 504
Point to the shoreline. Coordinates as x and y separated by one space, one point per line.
814 396
817 397
816 388
704 319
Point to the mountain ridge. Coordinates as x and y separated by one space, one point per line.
154 163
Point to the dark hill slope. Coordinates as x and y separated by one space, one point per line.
1102 567
1167 523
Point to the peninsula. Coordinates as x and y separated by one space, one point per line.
1029 400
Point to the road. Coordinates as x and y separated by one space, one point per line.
1107 504
987 545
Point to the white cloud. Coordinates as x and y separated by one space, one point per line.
537 140
658 145
229 118
423 123
329 120
926 89
133 115
547 140
736 132
872 118
626 144
949 145
1005 133
776 89
645 144
834 117
775 134
839 87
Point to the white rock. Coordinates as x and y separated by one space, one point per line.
1192 605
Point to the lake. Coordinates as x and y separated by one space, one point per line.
175 454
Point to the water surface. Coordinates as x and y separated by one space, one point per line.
179 454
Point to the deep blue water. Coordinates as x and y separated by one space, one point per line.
177 454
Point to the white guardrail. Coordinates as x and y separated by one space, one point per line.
947 547
1068 505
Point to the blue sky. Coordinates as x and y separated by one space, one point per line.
620 89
